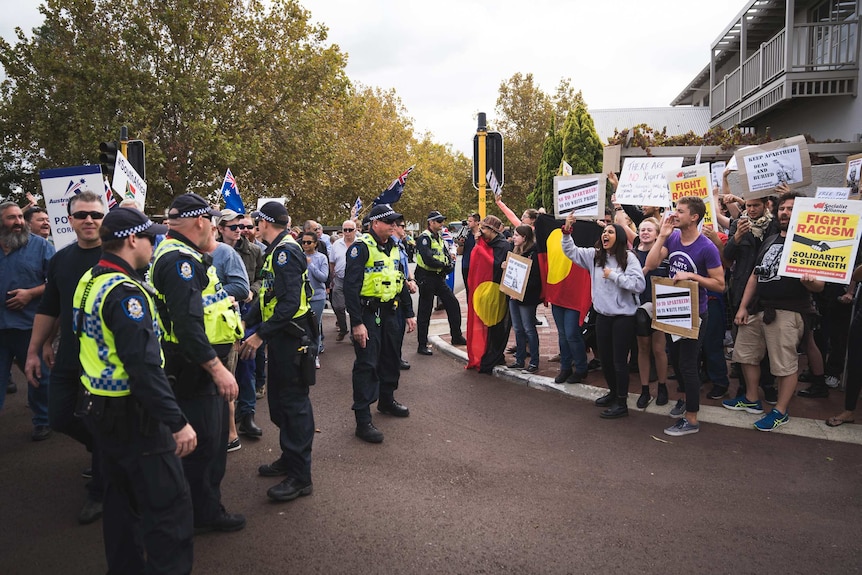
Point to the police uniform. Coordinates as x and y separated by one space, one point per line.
198 323
433 264
374 289
288 327
148 519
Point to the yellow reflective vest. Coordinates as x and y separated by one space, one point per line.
383 277
438 250
267 300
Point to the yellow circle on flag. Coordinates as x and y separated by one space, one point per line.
559 265
489 303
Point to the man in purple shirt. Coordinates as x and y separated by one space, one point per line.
691 256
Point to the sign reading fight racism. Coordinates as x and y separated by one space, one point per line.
693 181
583 195
822 239
642 181
762 168
59 186
675 307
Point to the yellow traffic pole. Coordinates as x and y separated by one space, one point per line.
481 134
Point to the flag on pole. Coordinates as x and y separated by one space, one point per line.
697 157
393 193
491 177
110 200
357 207
230 192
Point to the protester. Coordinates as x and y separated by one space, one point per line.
523 312
318 272
38 221
337 263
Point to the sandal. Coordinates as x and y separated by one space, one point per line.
837 420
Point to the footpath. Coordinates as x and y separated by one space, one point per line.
807 416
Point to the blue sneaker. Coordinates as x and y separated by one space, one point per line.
742 404
682 427
772 420
678 409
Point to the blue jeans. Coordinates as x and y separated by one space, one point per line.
523 320
317 307
573 352
13 347
713 345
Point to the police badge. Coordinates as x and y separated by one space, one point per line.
185 270
134 308
354 251
281 259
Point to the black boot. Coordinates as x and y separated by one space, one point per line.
644 398
606 399
661 396
616 411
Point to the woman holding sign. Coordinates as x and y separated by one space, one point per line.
617 279
523 312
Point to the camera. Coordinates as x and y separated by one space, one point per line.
762 271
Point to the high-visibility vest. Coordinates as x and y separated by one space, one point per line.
104 373
268 302
221 318
438 251
383 277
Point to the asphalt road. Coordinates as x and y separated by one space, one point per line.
485 476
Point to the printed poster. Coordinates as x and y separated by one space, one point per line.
762 168
61 184
642 181
851 177
583 195
128 183
675 307
515 276
822 239
693 181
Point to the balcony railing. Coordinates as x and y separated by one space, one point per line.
814 48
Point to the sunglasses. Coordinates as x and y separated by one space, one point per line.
82 215
307 242
348 230
402 225
236 227
152 239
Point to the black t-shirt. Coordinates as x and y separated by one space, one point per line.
772 286
64 270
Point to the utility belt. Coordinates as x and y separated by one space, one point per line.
305 329
187 378
374 304
443 272
115 416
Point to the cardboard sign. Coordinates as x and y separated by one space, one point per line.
762 168
59 186
262 201
822 239
693 181
128 183
583 195
675 307
852 175
515 276
717 169
832 193
642 181
611 158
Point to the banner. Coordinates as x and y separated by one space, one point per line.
762 168
515 276
642 181
128 183
675 306
693 181
59 186
822 239
583 195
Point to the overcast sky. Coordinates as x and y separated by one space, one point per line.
447 58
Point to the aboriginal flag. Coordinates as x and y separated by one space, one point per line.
486 304
563 283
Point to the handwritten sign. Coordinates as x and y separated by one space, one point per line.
583 195
822 239
832 193
717 169
852 175
675 307
59 186
611 158
762 168
642 181
514 282
693 181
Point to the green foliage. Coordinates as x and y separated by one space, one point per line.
582 147
552 155
646 137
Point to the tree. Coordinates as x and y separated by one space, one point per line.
552 154
582 147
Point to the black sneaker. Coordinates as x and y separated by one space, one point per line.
458 340
770 395
563 376
644 400
576 377
661 396
717 392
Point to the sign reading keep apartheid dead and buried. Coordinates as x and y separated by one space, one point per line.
583 195
762 168
822 239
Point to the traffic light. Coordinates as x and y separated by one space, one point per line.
136 154
108 157
493 156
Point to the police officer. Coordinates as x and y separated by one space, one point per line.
199 325
148 518
433 264
374 289
290 330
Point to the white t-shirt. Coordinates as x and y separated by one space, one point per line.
338 257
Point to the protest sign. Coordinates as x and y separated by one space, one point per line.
675 307
717 169
262 201
128 183
515 276
851 176
583 195
822 239
762 168
832 193
693 181
491 178
642 181
611 158
59 186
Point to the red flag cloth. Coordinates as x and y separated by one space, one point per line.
481 271
563 283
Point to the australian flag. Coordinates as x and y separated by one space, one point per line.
393 193
110 200
229 191
357 207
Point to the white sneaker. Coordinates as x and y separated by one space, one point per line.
832 381
317 362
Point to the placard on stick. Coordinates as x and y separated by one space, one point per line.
675 307
762 168
515 276
582 194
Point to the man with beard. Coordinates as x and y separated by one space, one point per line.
86 211
23 269
771 319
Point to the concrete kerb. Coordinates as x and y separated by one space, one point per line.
814 429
